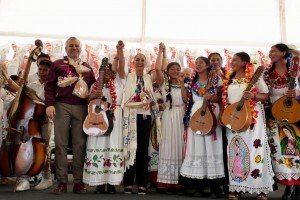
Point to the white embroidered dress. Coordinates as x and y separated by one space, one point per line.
104 154
284 138
204 154
172 145
249 161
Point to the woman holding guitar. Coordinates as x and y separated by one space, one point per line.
204 153
249 163
282 79
104 154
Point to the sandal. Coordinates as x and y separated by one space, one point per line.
233 196
262 196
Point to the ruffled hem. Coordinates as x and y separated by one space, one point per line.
167 182
244 189
202 177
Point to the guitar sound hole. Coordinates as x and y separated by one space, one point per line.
202 113
288 103
238 108
97 109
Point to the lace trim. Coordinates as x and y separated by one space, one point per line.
202 177
244 189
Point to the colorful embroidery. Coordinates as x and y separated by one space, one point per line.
239 159
249 71
107 164
257 143
258 159
256 173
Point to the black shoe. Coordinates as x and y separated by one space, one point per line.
161 190
216 192
182 191
100 189
226 189
289 193
170 191
128 190
297 192
199 192
111 189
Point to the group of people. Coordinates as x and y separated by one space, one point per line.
163 102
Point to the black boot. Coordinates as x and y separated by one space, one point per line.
297 192
289 193
100 189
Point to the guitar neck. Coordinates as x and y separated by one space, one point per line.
101 79
254 79
292 83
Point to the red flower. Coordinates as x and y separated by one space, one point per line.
107 163
121 164
257 143
255 173
88 163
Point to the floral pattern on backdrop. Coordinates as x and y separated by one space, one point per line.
14 56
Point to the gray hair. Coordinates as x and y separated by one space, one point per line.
72 38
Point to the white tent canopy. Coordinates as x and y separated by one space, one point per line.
257 23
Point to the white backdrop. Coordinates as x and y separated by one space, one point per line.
190 27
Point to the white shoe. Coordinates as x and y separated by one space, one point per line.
22 184
44 184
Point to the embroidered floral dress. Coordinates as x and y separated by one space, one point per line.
204 154
172 145
249 162
284 138
104 154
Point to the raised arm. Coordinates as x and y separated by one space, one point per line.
118 65
159 63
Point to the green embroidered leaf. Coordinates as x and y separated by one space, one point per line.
115 164
95 165
114 157
95 157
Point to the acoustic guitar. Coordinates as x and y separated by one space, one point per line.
204 120
287 109
238 116
99 120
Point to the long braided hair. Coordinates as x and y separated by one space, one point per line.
168 89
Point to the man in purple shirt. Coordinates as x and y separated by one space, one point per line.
68 111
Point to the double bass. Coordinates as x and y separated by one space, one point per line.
23 151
